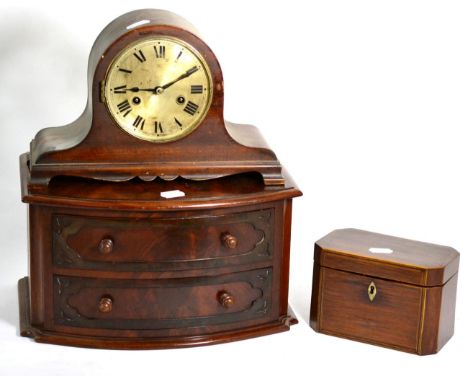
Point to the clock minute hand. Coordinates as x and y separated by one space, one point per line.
158 89
181 77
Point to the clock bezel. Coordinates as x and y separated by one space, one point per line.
204 65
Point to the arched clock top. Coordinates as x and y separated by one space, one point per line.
154 109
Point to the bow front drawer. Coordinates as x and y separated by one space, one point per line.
162 244
162 304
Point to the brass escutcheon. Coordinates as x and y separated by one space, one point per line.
372 291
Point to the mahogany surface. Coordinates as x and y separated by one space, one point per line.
414 307
139 343
161 243
167 265
392 317
410 261
93 147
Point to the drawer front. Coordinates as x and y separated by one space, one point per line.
162 244
392 318
157 304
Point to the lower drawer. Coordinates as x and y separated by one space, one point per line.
392 318
157 304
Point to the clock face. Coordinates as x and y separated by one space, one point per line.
158 89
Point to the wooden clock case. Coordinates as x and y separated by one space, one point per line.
94 147
113 264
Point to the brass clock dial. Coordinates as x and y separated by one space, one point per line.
158 89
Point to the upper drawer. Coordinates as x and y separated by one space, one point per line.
162 244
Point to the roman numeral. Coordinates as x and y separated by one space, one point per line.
124 107
191 108
140 56
177 121
178 56
162 51
196 89
125 70
139 120
158 129
120 89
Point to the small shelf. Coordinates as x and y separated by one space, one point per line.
233 190
137 189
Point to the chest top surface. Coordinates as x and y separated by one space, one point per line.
373 250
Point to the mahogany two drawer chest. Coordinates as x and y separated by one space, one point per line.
110 271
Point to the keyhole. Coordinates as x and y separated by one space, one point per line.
372 291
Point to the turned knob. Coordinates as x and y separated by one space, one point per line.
105 305
229 241
226 299
106 246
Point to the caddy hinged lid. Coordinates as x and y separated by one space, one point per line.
387 257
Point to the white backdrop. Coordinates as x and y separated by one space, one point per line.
365 103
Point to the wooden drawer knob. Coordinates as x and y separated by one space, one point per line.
105 304
106 246
226 299
229 241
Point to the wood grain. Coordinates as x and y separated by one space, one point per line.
392 318
432 264
414 308
95 147
162 244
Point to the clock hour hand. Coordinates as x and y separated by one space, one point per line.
137 89
181 77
